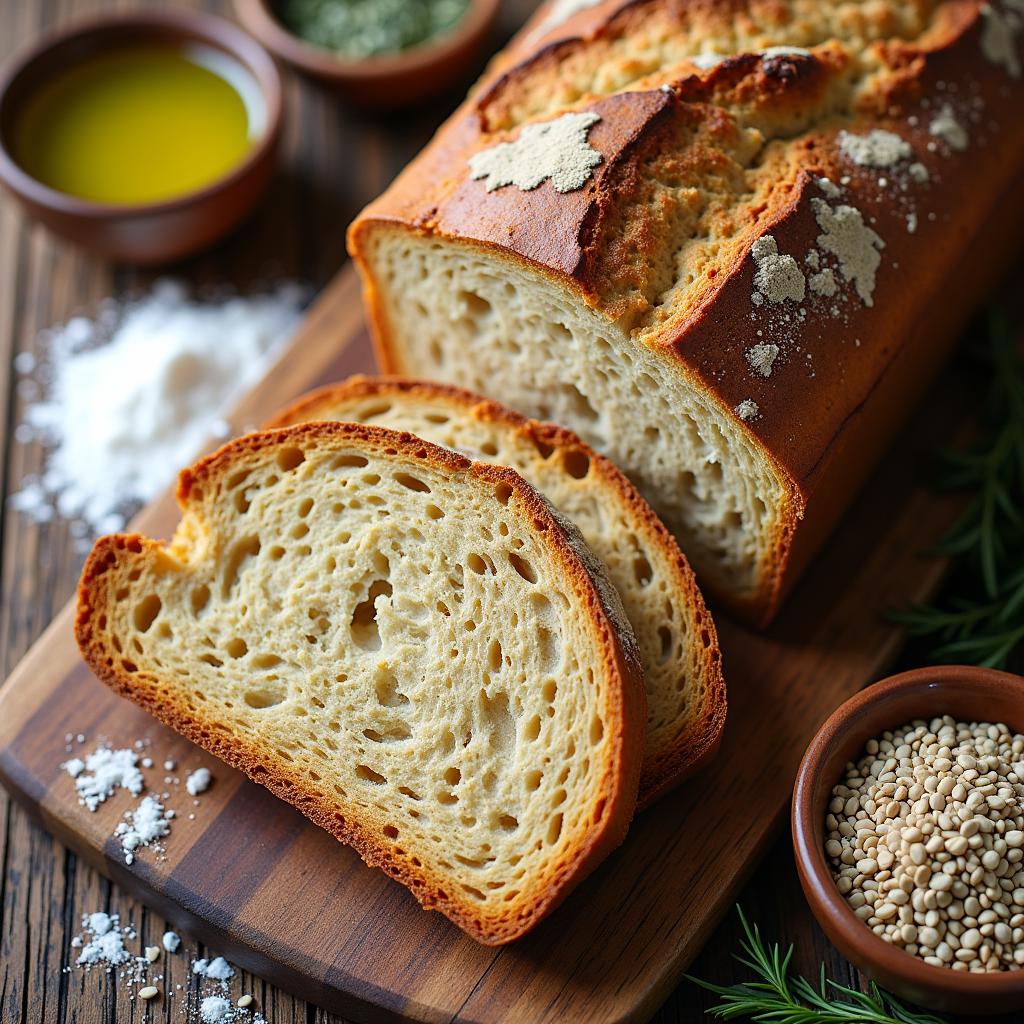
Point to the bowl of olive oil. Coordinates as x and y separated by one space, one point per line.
145 137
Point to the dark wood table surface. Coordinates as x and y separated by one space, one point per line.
335 160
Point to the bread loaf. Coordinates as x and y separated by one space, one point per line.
411 648
686 701
727 243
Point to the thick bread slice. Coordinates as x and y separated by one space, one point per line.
686 700
413 649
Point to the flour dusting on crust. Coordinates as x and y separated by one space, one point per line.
555 149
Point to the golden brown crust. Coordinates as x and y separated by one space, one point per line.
700 735
809 406
626 698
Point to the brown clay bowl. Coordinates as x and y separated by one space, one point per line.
966 693
157 232
385 82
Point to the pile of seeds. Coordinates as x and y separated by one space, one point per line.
925 837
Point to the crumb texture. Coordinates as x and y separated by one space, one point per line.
676 637
406 646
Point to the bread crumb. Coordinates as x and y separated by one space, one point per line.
144 825
777 278
879 148
171 941
555 149
761 358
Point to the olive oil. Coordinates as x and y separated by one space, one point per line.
139 125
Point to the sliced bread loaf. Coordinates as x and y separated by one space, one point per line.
413 649
686 700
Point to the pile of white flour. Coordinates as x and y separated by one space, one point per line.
131 397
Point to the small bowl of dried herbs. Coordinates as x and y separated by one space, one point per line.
382 54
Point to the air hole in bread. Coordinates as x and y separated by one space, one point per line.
349 462
437 417
548 654
245 548
388 693
532 728
276 553
290 458
503 492
369 775
642 570
474 305
452 776
241 501
146 611
237 479
554 829
447 799
523 567
129 666
305 507
236 647
433 512
544 450
489 448
498 721
410 793
548 690
494 657
365 631
265 660
665 639
265 696
211 659
299 530
596 730
577 463
413 483
393 732
391 832
532 779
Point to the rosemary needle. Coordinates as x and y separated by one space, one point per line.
781 998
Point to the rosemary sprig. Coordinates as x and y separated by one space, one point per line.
988 538
781 998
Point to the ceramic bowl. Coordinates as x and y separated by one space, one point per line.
157 232
966 693
385 82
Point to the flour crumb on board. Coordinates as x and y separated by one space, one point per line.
198 781
179 364
945 126
108 770
143 826
217 969
999 38
171 941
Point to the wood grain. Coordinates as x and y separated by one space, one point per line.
335 160
357 943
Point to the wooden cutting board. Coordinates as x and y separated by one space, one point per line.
253 879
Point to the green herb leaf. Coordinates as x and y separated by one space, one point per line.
986 628
778 998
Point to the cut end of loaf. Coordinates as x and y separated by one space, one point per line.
465 314
405 645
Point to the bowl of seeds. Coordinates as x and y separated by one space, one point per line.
908 831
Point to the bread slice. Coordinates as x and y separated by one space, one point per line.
413 649
686 701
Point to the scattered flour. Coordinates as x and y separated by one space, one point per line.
136 393
110 770
215 1010
945 126
143 826
217 969
747 409
853 243
785 51
706 61
171 941
555 149
919 172
778 278
198 781
105 945
762 357
878 148
999 38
